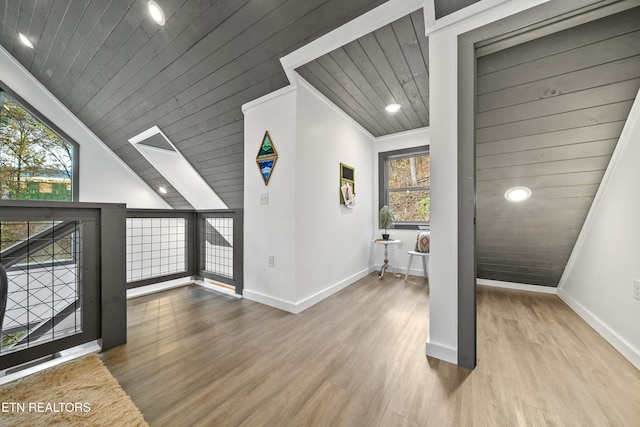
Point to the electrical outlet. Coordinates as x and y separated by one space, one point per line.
272 262
636 289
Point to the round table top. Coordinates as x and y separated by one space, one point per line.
387 242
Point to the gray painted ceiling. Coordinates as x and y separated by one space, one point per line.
120 73
389 65
549 113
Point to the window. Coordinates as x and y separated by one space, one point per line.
37 162
405 186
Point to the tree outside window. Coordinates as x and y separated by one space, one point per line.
35 162
405 183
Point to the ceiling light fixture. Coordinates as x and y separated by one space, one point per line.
392 108
25 40
156 12
517 194
162 190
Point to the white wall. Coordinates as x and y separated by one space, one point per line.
319 246
398 256
269 229
333 242
103 176
598 280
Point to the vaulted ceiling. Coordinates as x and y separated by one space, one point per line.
387 66
549 111
120 73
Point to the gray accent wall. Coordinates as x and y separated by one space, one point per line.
549 113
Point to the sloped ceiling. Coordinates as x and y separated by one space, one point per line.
387 66
120 73
549 113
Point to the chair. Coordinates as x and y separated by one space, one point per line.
422 250
425 258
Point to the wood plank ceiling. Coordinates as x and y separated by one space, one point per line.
389 65
549 113
120 73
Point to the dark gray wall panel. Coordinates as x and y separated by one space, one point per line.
447 7
549 114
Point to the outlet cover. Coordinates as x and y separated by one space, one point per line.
636 289
271 261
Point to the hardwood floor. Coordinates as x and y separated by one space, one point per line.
357 359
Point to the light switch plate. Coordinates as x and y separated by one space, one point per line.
264 198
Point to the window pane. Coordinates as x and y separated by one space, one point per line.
410 206
409 172
35 163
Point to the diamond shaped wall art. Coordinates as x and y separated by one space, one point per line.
267 157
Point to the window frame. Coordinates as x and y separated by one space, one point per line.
75 160
383 188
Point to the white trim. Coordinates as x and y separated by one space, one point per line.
158 287
382 15
297 307
518 286
383 138
67 355
631 353
441 351
91 137
269 300
212 285
633 120
268 97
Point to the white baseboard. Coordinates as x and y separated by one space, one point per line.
211 285
270 301
158 287
631 353
518 286
442 352
297 307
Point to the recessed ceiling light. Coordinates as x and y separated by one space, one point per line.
162 190
25 40
517 194
392 108
156 12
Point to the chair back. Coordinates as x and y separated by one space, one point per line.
423 242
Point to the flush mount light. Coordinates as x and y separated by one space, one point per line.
162 190
25 40
156 12
392 108
517 194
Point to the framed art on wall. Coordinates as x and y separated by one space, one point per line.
266 158
347 186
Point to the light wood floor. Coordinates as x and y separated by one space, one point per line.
357 359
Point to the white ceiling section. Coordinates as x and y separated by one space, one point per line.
177 170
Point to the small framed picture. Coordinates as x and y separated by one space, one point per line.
347 186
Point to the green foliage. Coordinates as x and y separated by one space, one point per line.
30 154
424 209
10 339
385 218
